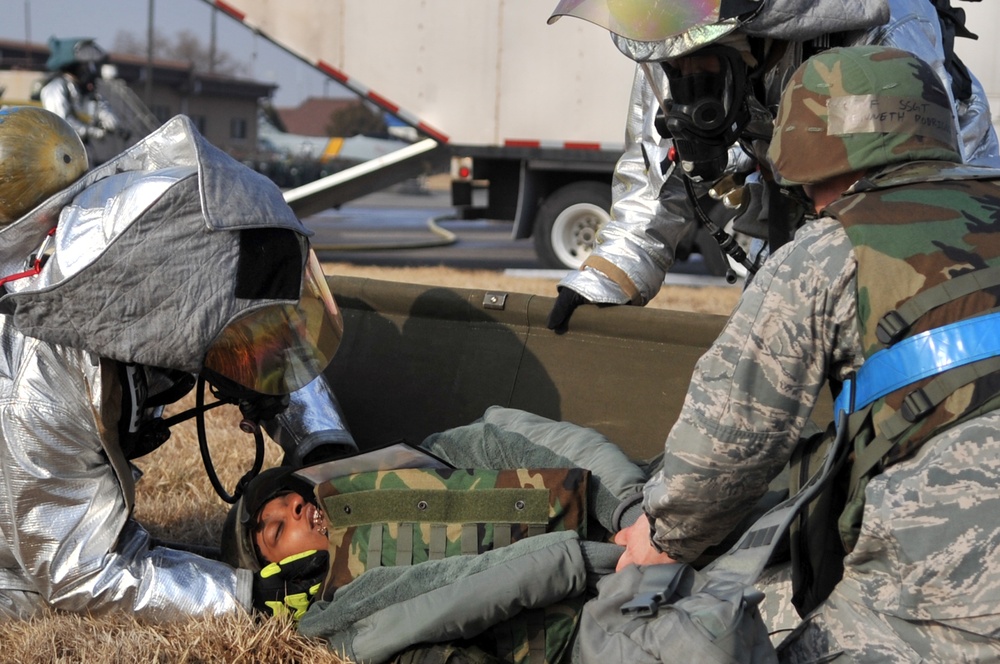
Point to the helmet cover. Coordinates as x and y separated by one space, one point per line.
40 154
857 108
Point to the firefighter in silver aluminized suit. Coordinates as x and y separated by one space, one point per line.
70 92
708 77
170 261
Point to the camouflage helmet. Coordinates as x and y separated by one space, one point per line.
239 549
40 154
857 108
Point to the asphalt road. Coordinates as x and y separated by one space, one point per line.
404 229
396 228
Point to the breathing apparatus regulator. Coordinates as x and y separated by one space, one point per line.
706 109
146 429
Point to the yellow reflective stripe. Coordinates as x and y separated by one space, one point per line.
297 556
270 570
277 607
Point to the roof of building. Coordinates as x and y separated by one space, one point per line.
311 117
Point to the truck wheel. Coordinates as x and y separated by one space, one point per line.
568 221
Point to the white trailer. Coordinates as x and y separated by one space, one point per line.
532 113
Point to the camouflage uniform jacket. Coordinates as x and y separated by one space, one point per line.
925 551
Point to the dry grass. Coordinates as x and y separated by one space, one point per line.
177 503
119 639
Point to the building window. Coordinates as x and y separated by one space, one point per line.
161 111
199 123
238 128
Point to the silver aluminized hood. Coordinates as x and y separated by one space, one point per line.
146 251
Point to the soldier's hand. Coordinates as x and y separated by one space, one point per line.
288 587
639 549
566 303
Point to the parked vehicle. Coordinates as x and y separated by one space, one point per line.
531 115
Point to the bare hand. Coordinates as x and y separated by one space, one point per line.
639 549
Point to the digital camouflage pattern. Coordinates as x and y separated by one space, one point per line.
922 582
855 108
927 560
409 516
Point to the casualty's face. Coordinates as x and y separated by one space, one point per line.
287 525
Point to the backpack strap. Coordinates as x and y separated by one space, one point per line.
916 405
745 561
895 323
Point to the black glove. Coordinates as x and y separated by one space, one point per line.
288 587
567 301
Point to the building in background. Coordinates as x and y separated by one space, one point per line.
292 146
224 108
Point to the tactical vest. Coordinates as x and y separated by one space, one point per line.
410 516
926 236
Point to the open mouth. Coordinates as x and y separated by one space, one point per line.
317 519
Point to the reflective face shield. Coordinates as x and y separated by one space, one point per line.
706 109
642 20
280 348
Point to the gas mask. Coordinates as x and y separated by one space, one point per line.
706 109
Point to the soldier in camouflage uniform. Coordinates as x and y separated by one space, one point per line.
491 558
867 133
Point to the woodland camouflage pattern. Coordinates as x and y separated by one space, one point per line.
907 240
923 580
413 499
504 506
851 116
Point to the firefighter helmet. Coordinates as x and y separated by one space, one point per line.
40 154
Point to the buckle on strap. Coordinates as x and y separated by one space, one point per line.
916 405
844 403
891 327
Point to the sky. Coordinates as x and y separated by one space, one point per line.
37 20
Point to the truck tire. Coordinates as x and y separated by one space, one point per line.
568 221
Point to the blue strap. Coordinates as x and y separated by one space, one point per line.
918 357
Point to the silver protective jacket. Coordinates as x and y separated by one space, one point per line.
650 211
142 271
89 116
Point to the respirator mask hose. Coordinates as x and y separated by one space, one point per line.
254 407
